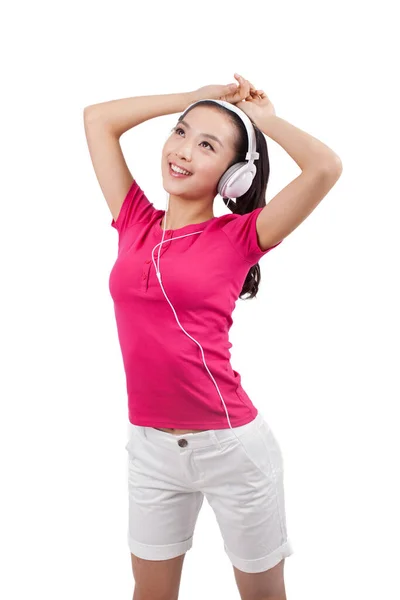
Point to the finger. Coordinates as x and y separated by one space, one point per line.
246 89
250 85
253 94
260 93
244 85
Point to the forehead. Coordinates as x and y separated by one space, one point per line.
205 119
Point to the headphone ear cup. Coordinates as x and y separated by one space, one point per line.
222 184
237 180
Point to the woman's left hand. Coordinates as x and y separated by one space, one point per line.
255 103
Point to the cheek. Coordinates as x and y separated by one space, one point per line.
208 165
208 176
213 171
165 149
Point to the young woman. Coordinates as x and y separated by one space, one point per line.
193 430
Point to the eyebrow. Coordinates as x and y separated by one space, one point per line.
209 135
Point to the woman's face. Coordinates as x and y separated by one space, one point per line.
190 147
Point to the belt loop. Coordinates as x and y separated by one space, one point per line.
215 438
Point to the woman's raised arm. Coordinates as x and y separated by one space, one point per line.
121 115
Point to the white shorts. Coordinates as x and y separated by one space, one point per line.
169 475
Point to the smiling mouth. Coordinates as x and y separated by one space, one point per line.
178 173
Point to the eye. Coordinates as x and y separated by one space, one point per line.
208 145
177 129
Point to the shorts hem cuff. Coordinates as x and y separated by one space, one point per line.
261 564
164 552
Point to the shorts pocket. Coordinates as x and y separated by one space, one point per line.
132 438
272 446
263 450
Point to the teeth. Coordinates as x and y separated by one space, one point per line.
178 170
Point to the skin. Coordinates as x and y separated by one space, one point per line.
191 199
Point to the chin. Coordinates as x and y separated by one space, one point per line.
170 188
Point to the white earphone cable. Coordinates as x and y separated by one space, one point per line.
158 273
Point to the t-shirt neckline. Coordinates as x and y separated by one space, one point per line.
160 217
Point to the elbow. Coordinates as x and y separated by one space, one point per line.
333 167
89 112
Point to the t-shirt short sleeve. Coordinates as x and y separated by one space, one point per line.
136 207
242 233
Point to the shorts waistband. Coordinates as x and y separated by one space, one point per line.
195 440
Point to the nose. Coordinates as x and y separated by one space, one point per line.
184 151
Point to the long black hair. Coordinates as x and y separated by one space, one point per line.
255 196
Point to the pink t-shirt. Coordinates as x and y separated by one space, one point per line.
203 275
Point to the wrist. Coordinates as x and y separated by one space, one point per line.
193 96
267 121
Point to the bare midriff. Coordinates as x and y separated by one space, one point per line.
179 431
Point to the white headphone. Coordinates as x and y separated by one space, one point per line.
233 183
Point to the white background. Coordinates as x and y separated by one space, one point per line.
317 349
